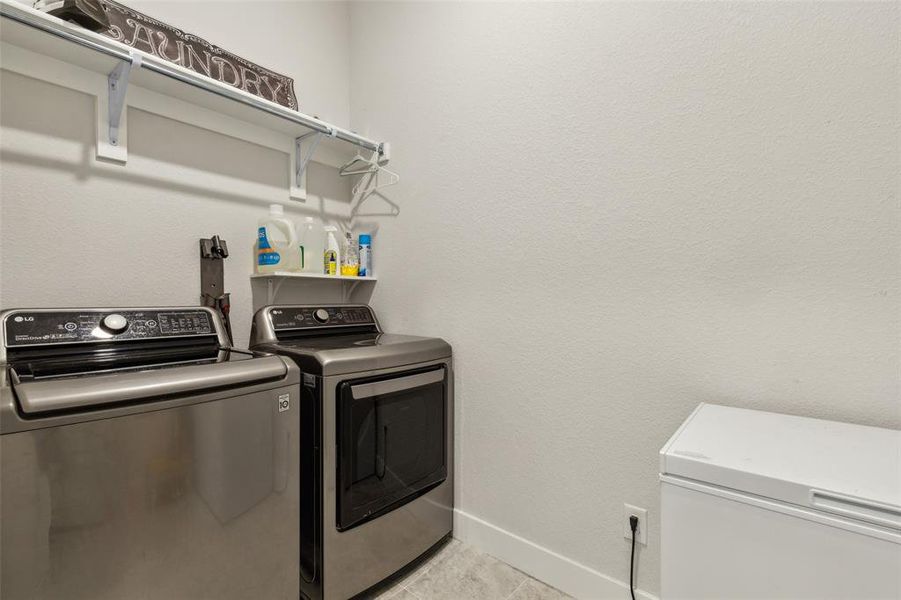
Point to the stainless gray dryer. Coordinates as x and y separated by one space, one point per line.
141 457
376 443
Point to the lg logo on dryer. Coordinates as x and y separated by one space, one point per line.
284 402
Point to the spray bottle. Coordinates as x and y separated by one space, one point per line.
331 256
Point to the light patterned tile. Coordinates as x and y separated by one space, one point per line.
464 573
395 593
439 556
532 589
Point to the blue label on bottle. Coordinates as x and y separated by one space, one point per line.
264 241
265 254
268 258
365 260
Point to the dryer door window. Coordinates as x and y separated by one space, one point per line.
392 444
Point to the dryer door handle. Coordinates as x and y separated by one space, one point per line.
400 384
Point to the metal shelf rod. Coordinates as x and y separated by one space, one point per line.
152 63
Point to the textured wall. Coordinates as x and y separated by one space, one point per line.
615 211
612 210
75 231
308 41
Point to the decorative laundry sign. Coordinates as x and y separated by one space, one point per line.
164 41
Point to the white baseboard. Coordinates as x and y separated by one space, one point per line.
556 570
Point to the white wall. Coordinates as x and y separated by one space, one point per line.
614 211
309 41
75 231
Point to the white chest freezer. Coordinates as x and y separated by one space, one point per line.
761 505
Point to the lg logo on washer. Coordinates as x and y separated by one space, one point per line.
20 318
284 402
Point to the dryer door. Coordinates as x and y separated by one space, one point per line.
391 442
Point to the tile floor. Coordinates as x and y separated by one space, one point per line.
459 572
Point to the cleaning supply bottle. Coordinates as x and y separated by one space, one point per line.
276 245
365 255
310 245
350 257
331 254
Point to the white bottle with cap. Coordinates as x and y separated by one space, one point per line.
276 246
310 246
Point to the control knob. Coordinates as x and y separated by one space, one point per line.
114 323
321 315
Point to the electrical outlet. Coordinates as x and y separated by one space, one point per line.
641 534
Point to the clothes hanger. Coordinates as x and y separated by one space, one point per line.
358 165
369 185
393 209
371 181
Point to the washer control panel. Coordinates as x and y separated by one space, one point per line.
31 328
305 317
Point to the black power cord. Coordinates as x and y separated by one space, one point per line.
633 524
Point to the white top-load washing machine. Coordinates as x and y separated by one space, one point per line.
141 457
758 505
377 414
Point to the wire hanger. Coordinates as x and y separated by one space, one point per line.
359 165
369 185
392 211
371 181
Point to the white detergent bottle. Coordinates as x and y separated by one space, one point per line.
276 246
310 245
332 255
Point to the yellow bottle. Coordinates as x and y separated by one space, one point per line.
350 257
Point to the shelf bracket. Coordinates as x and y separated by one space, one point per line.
272 288
304 148
347 289
117 88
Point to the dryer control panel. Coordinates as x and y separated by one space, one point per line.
33 328
311 317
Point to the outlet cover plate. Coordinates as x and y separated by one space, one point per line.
641 534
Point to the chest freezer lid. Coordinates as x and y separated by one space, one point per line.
840 468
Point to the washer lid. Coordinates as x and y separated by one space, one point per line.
106 389
845 469
352 353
